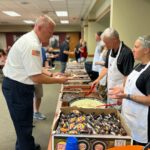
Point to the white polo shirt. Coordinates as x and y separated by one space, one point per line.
24 59
97 55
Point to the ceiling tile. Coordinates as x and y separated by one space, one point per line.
31 9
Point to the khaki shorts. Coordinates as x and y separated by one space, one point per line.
38 93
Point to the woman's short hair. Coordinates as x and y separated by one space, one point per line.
145 40
110 33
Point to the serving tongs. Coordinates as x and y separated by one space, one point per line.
146 146
90 91
106 105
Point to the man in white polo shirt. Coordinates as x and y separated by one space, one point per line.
23 69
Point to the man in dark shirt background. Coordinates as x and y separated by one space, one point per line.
64 53
119 61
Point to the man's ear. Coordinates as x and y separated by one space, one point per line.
39 27
147 50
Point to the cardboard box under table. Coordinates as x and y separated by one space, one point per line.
108 140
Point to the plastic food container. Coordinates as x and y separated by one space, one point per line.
98 145
83 144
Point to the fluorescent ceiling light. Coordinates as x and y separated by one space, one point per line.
28 21
11 13
64 21
61 13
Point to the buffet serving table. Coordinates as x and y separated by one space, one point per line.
75 88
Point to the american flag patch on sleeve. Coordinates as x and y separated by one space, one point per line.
35 53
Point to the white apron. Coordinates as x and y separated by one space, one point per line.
115 77
135 114
101 59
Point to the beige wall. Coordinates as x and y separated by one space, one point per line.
68 28
2 41
82 32
131 18
93 27
85 35
15 28
103 8
99 10
94 23
19 28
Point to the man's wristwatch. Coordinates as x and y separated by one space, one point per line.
129 96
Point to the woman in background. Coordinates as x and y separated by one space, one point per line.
83 51
77 51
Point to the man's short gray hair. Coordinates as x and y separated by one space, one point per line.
145 40
44 19
110 33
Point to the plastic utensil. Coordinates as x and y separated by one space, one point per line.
114 104
146 147
90 91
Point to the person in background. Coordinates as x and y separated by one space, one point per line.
51 57
6 50
99 45
119 61
38 94
83 51
64 53
47 55
77 51
135 95
22 70
3 58
103 82
44 58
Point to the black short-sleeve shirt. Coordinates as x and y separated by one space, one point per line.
143 82
64 47
125 61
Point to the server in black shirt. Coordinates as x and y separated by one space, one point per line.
64 53
136 93
119 61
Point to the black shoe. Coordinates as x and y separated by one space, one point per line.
37 147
